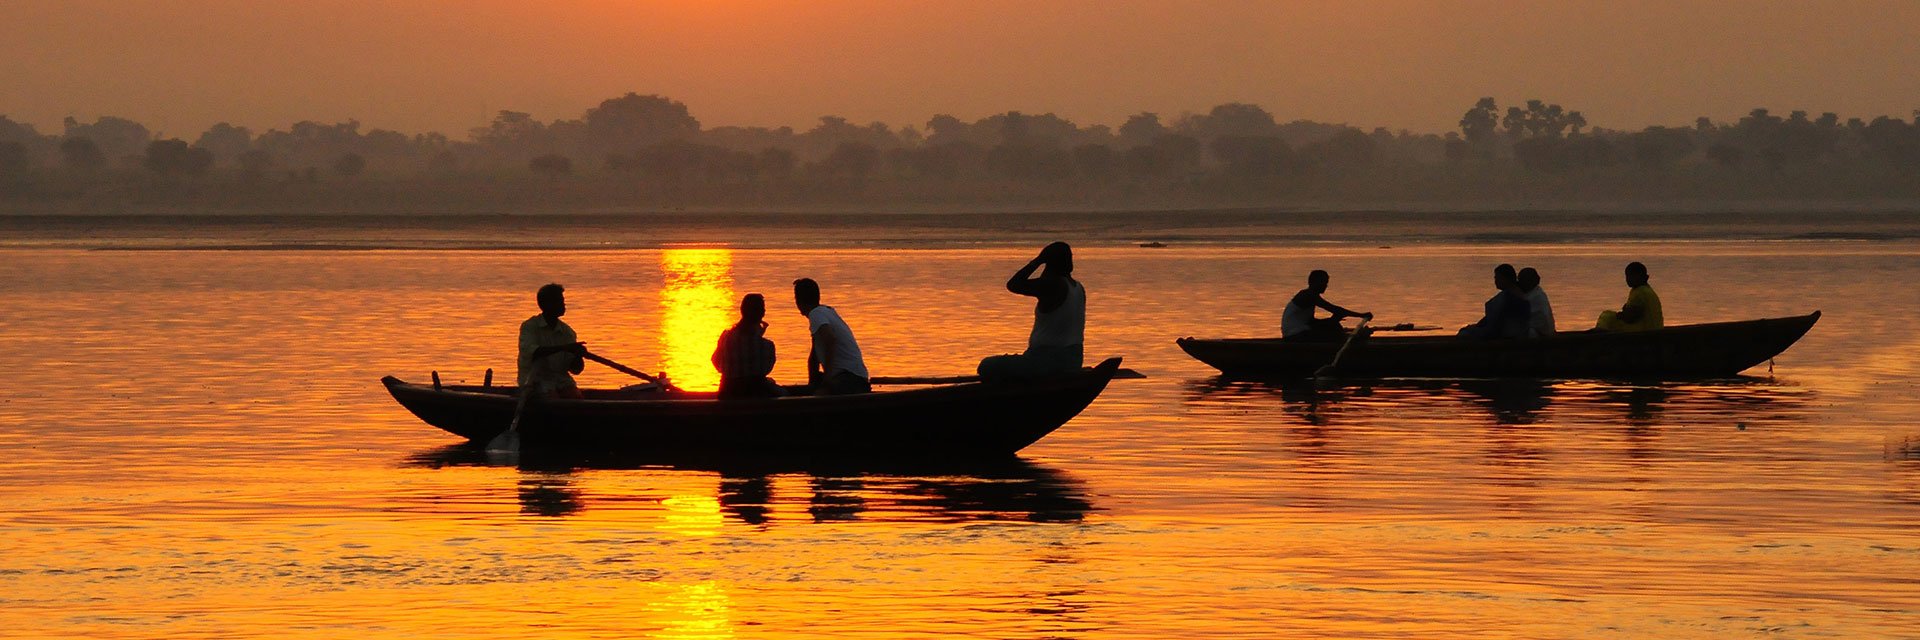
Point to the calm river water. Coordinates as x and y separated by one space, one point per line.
196 444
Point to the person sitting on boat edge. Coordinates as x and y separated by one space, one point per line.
550 353
834 364
744 356
1057 343
1540 318
1297 321
1642 310
1507 312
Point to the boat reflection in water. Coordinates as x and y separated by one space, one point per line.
549 494
767 491
1738 402
1510 446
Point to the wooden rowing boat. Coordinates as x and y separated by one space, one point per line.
971 419
1685 351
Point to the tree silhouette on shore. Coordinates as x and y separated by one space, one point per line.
653 144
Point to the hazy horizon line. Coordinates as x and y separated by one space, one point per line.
160 132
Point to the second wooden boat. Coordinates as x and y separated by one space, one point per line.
1686 351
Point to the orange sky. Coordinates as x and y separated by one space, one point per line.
180 65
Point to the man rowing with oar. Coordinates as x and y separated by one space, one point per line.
550 353
1297 321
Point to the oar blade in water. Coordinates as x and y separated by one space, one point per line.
507 442
1358 331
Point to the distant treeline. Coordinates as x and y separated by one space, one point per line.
650 151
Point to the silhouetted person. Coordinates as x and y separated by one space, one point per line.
550 353
1642 310
744 356
1057 343
834 365
1297 321
1507 312
1540 319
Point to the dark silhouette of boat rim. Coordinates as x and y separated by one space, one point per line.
1711 350
974 418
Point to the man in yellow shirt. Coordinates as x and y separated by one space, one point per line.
1642 311
550 353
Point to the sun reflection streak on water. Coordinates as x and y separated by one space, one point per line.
696 303
695 515
697 611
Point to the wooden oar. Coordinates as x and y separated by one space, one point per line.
509 441
1122 374
630 371
1337 355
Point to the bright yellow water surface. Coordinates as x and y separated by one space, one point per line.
696 303
197 445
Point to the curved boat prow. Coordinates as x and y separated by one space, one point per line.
1791 331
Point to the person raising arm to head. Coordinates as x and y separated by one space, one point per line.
1057 343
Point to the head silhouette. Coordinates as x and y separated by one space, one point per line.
1636 274
552 299
806 294
1504 277
753 308
1059 259
1317 281
1529 279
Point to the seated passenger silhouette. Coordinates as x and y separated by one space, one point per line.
1540 320
1507 312
834 364
744 356
1642 310
1057 343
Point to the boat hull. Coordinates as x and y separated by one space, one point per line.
974 418
1687 351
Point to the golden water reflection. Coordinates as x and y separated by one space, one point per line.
696 303
700 610
693 514
261 498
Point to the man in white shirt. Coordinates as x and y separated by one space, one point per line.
1057 344
1540 318
550 353
834 366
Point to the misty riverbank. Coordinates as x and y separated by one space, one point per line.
1384 226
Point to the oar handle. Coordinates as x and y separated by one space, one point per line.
627 370
1118 374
